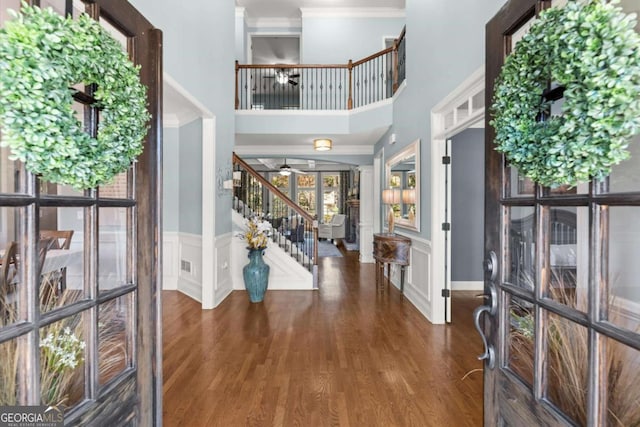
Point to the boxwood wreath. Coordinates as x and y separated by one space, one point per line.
42 55
592 50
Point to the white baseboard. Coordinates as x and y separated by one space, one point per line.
190 282
467 286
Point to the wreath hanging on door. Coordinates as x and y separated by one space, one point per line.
42 55
592 50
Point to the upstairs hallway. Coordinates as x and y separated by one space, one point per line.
345 355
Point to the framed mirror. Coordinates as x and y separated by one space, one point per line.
402 178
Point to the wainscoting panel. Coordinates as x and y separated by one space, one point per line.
418 288
223 284
190 263
170 260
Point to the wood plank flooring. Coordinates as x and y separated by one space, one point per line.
346 355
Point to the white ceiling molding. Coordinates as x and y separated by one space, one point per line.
301 150
274 22
241 12
349 12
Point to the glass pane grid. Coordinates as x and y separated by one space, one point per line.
521 342
62 357
115 332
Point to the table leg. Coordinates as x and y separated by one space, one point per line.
388 275
402 279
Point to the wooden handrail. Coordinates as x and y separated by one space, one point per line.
265 182
374 56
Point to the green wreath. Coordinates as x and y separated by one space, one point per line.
592 50
42 55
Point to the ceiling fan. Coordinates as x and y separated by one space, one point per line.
282 77
286 170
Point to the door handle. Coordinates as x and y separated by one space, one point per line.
491 308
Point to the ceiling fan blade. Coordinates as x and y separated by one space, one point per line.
268 77
298 171
293 82
294 76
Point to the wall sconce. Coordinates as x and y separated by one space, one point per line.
322 144
391 197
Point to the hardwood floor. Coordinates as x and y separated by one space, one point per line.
346 355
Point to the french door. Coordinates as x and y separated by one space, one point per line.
562 312
93 294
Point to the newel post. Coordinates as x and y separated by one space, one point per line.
237 97
350 100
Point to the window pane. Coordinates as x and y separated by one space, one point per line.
624 268
10 286
114 337
567 367
626 175
12 173
112 252
521 339
8 372
522 249
569 255
117 188
62 357
62 272
520 184
623 384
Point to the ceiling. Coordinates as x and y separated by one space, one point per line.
291 8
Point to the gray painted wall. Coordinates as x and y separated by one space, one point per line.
190 187
467 205
336 40
171 180
445 45
191 33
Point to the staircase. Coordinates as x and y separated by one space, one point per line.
293 229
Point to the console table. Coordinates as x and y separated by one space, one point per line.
390 248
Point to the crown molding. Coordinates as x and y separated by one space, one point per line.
170 121
302 150
352 12
241 12
274 22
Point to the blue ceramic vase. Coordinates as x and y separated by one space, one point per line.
256 275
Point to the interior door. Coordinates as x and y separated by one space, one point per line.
95 295
561 316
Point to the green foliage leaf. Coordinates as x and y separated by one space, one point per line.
592 49
42 55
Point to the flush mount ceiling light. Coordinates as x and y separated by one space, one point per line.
322 144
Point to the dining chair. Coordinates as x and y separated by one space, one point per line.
61 238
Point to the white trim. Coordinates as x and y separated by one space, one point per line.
274 22
166 78
352 12
313 113
170 121
241 12
208 208
300 150
223 282
467 286
190 250
418 287
439 133
170 260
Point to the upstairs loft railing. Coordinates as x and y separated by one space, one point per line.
293 228
322 87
